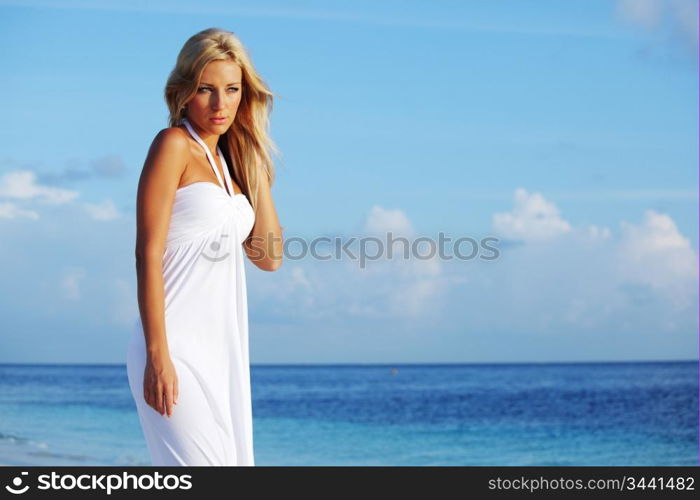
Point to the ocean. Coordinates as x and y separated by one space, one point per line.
627 413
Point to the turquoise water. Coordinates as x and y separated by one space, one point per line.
499 414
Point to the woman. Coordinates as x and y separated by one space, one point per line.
203 198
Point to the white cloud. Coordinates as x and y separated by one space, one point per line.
533 218
22 185
643 12
587 280
381 221
70 283
681 16
109 166
299 278
654 252
685 13
598 233
102 211
396 288
11 211
407 288
291 294
563 280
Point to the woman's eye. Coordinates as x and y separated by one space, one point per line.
235 89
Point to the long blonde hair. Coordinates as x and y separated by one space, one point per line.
246 144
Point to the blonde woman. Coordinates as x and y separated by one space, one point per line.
203 202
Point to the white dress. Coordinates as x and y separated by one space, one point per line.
206 322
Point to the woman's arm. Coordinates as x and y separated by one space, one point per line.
160 177
264 244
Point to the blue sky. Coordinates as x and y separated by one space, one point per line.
566 129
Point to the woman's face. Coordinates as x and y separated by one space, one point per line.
218 95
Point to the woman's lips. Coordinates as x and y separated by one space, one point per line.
218 120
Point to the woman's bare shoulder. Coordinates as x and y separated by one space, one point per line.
171 137
170 145
167 158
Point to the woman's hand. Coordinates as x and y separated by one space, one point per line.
160 387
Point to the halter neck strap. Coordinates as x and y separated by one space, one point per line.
227 176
